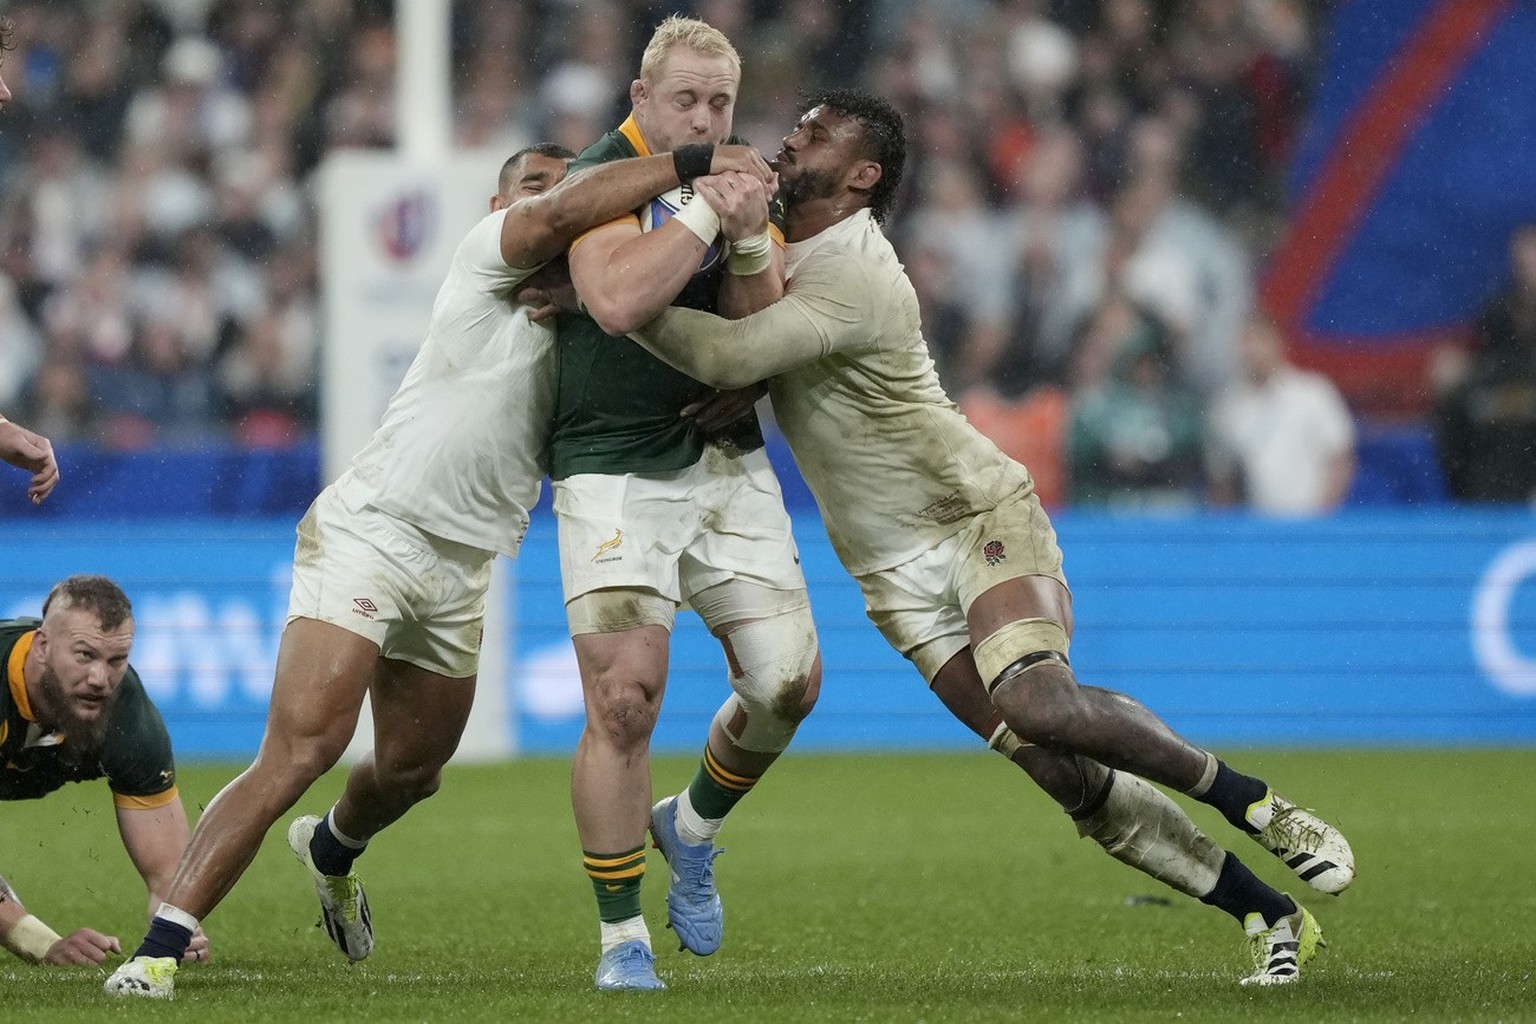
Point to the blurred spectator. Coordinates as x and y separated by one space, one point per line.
1281 441
267 378
191 113
89 320
58 402
362 112
953 228
65 208
1486 417
1083 173
1020 326
1134 441
1179 261
19 348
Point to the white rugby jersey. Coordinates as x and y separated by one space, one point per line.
893 463
460 451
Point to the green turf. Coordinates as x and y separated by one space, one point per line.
870 888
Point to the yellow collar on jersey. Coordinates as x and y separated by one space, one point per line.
631 131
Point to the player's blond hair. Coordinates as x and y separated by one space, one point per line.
698 36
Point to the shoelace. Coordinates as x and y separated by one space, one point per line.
634 956
696 875
1296 832
344 893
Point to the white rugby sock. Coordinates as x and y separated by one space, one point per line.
693 828
616 932
342 837
176 916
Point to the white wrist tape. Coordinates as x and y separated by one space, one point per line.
750 255
30 939
700 218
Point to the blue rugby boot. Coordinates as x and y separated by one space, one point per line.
628 967
693 903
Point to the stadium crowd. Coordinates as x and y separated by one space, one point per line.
1093 186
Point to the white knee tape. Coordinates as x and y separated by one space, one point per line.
1015 640
775 658
1005 741
1139 825
618 610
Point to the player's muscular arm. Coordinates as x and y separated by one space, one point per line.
624 276
824 311
539 228
154 839
744 294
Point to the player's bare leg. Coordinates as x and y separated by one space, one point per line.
623 676
1140 826
403 768
322 673
1020 630
775 675
410 747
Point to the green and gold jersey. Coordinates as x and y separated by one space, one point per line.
135 756
617 406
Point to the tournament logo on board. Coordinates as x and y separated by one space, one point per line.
405 225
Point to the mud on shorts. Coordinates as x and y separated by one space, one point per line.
920 605
676 534
421 598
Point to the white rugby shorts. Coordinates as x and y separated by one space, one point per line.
920 605
419 597
677 533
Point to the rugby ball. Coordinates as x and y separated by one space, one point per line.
664 207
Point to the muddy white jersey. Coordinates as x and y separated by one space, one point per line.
893 463
461 448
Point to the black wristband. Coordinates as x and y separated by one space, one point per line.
693 161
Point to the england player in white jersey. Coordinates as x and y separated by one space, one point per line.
957 561
393 561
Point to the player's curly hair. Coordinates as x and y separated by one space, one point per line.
93 593
885 138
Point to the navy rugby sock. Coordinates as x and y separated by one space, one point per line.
1232 793
1240 893
165 938
332 854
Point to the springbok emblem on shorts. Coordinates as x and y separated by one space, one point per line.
608 545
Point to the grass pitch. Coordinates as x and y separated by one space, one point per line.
857 888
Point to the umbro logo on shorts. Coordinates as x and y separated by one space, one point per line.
366 608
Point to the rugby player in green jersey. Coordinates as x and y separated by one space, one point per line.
656 511
72 710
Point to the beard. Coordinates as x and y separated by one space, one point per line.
807 185
83 734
